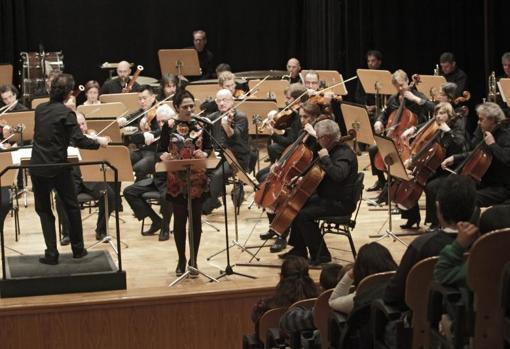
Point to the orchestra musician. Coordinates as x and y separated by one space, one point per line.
374 61
55 126
334 195
505 62
119 83
205 57
453 141
92 93
294 70
133 193
94 189
306 115
167 86
311 81
9 94
452 73
183 138
494 187
415 101
227 81
232 133
144 157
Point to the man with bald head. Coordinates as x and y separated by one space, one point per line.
232 133
294 68
116 85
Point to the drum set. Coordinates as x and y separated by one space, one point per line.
35 68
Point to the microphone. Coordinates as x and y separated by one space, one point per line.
202 119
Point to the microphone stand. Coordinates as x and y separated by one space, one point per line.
223 155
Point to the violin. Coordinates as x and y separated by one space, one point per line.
283 119
466 96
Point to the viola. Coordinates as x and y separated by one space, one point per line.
283 119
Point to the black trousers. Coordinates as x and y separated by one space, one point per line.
216 183
305 232
141 208
96 190
274 151
64 186
372 152
5 205
180 208
143 163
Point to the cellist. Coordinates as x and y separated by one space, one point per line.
415 101
334 195
494 187
453 141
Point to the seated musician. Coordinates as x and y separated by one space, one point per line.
133 193
494 187
294 70
167 86
334 195
220 68
92 93
144 157
120 83
227 81
306 115
9 94
374 61
311 81
232 133
205 57
452 73
415 101
94 189
183 138
505 62
453 141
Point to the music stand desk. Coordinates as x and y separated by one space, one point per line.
372 78
270 89
504 89
103 110
330 77
256 112
179 62
130 100
356 117
430 85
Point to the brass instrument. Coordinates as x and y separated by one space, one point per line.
436 70
493 91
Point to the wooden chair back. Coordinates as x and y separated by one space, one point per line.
269 319
321 312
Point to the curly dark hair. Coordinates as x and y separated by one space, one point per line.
179 97
61 86
295 283
372 258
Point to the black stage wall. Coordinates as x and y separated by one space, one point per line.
324 34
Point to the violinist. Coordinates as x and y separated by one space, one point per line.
294 70
494 187
183 138
232 133
118 84
414 101
167 86
227 80
453 141
144 157
94 189
334 195
92 93
452 73
9 94
158 182
308 113
311 81
374 61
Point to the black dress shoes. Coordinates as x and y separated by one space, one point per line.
321 260
279 245
80 253
181 267
267 235
410 224
377 186
154 228
65 241
49 259
164 235
100 236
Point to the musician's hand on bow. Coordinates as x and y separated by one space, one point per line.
149 138
408 133
103 140
166 156
122 121
310 130
378 127
488 138
199 154
323 152
447 162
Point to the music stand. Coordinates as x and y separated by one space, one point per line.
5 74
430 85
188 165
103 110
10 178
179 62
356 117
118 157
376 81
395 168
130 100
113 131
36 101
504 90
203 91
271 89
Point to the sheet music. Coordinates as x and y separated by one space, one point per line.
26 153
503 97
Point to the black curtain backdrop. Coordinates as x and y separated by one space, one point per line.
323 34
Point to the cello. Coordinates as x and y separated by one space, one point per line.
298 192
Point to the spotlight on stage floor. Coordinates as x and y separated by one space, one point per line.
25 276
